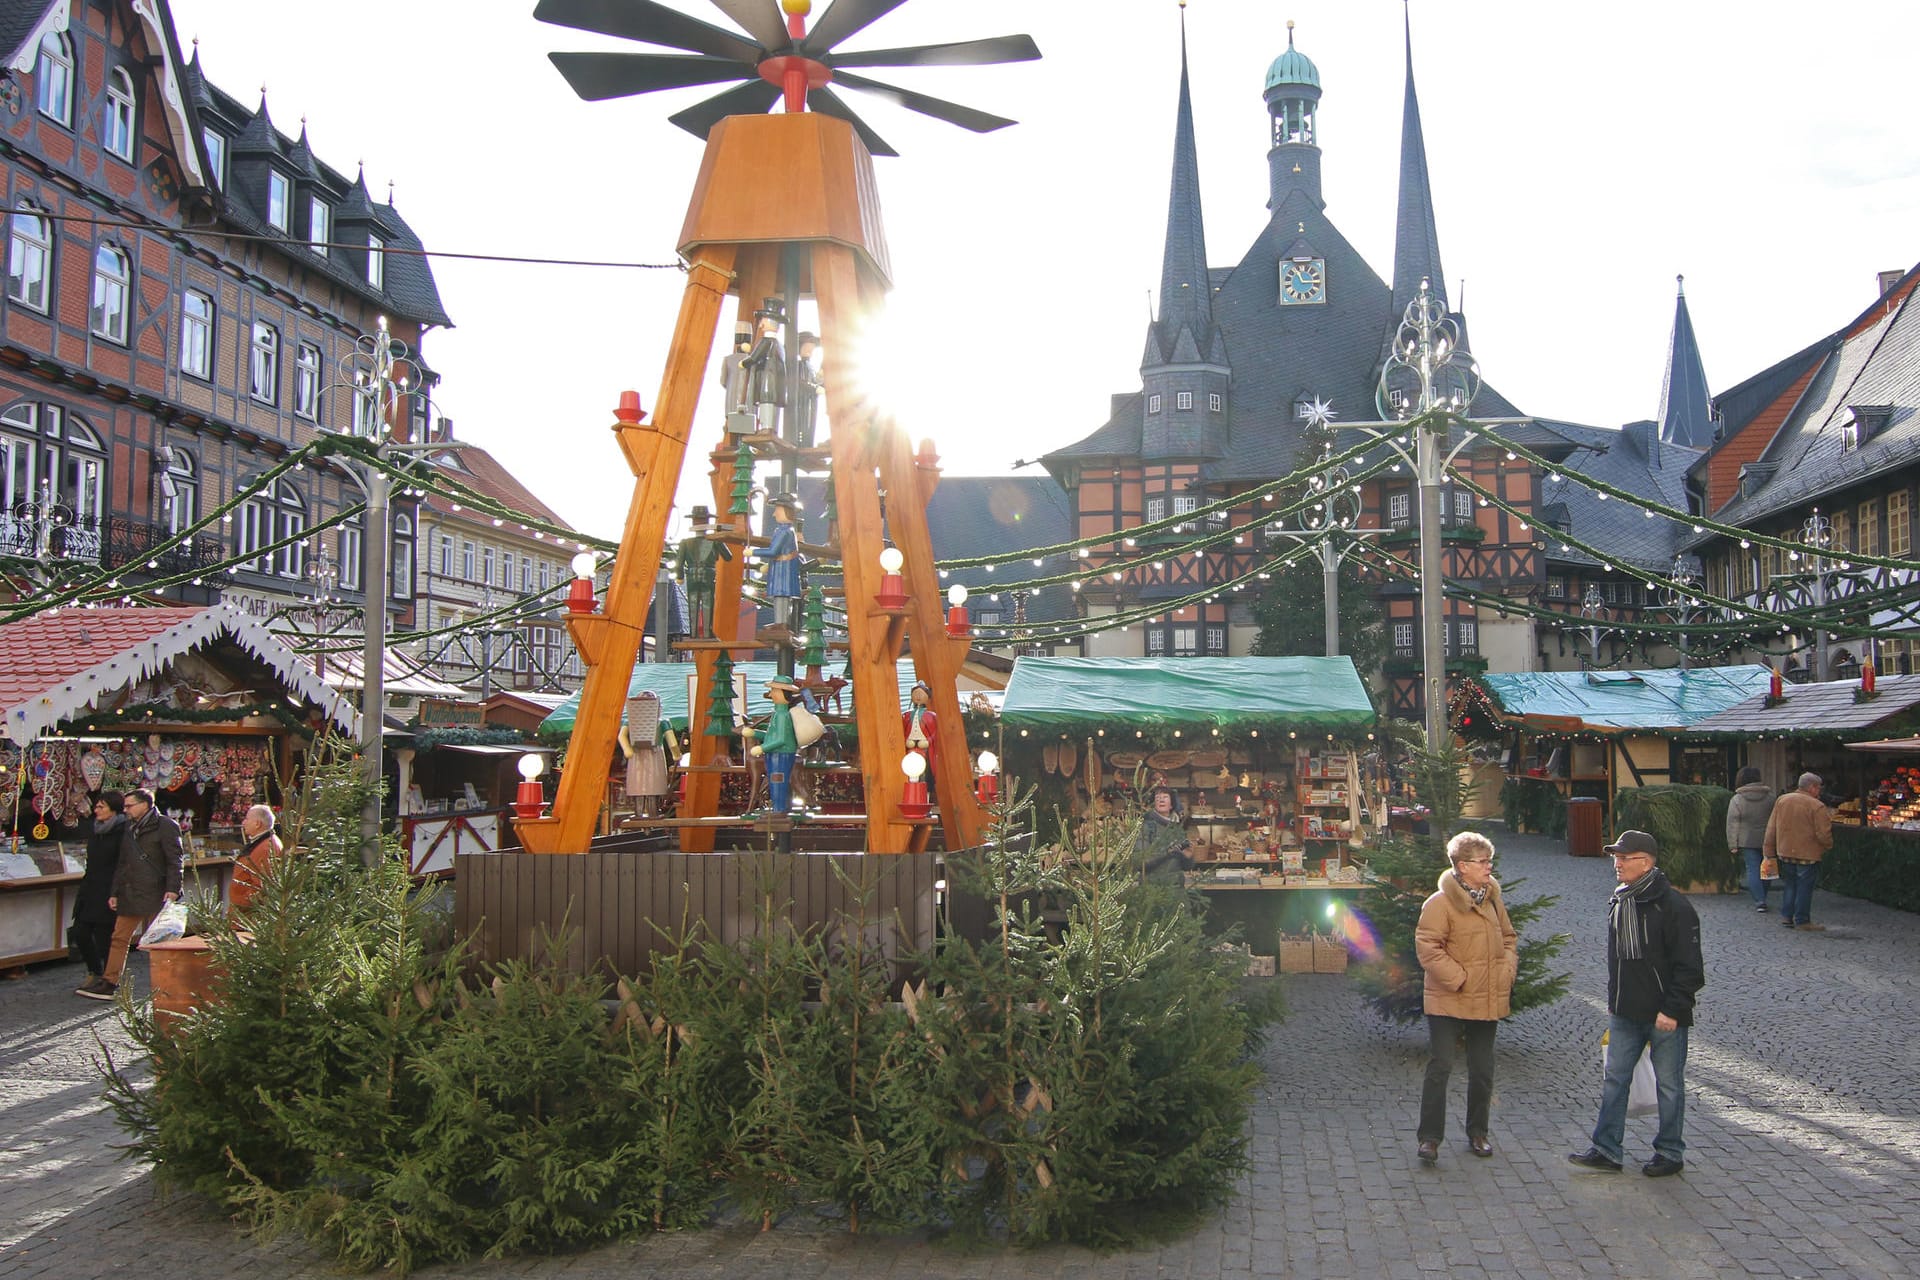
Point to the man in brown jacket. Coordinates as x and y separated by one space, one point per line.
1799 833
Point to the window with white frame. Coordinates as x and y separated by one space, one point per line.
545 575
466 561
319 224
1184 503
1186 642
486 561
1556 588
1399 508
1153 404
180 490
111 287
279 201
1183 399
263 363
1156 509
42 442
53 78
1469 633
116 126
1403 638
216 143
506 569
29 255
446 556
365 417
526 574
1214 402
400 557
1216 640
376 262
352 555
1462 506
276 512
306 382
1156 642
196 334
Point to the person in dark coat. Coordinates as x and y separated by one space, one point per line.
92 917
148 878
1654 973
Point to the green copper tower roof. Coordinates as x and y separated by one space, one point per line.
1292 67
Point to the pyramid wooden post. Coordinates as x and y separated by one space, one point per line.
766 183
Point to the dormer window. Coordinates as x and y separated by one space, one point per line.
279 201
1864 421
1849 435
319 225
376 262
216 143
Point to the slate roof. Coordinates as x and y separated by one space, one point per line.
1635 459
1827 707
408 288
1281 354
986 515
1683 416
18 20
1877 366
1416 244
1186 294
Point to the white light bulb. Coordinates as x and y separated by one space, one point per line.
584 564
989 762
891 560
957 594
532 765
913 764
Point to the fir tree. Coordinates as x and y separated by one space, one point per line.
720 697
742 503
813 624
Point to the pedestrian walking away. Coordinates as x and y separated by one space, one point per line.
1747 815
1654 972
1470 952
152 862
92 916
1799 833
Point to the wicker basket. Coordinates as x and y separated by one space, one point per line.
1296 954
1329 953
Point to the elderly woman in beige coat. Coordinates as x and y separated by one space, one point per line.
1470 952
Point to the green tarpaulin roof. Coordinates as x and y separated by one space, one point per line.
1615 701
1323 694
669 680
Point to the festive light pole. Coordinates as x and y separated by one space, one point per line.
1593 608
1678 599
1337 512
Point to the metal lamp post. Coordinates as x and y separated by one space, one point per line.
1677 599
1593 608
1337 512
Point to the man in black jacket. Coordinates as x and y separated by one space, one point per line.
152 863
1654 971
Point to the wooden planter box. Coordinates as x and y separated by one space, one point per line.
183 978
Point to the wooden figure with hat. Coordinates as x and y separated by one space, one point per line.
695 564
778 744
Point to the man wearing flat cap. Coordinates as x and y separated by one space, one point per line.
1654 971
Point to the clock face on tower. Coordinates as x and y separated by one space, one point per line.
1303 282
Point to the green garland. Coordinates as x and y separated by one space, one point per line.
148 713
425 740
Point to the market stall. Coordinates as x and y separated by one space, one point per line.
1828 728
1270 760
202 706
1577 735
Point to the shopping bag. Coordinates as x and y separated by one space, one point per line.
1643 1095
171 923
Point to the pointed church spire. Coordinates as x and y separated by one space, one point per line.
1684 416
1186 296
1416 246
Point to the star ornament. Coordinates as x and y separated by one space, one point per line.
1320 412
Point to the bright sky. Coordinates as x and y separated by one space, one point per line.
1582 156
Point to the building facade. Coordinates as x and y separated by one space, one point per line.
185 285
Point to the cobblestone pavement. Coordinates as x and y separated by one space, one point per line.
1803 1132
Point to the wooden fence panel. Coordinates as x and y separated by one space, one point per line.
620 909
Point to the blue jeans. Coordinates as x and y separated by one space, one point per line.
1625 1041
1755 885
1796 898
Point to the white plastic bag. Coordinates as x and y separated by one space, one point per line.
1643 1096
171 923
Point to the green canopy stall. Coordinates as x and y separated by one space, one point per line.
1155 696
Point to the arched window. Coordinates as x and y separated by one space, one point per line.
50 455
401 557
29 255
110 291
179 489
53 78
352 555
116 127
276 512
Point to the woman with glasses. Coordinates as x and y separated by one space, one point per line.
1470 952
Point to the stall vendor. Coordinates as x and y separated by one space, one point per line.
1161 845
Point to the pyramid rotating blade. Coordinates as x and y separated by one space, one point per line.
959 53
599 76
829 103
760 19
650 22
938 108
845 18
749 99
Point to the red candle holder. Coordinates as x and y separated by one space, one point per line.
629 412
986 788
1774 685
913 801
528 800
1866 678
892 593
580 596
959 625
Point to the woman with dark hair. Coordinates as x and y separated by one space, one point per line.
1747 815
92 916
